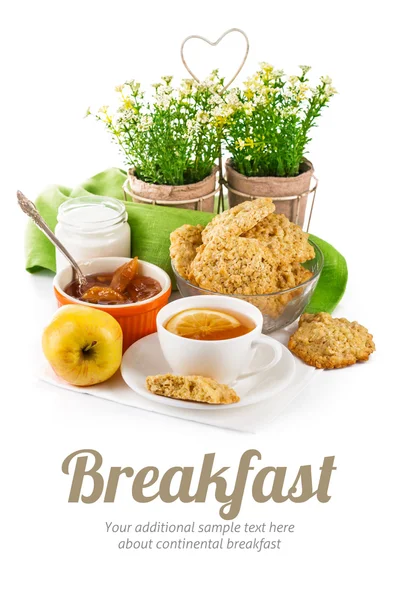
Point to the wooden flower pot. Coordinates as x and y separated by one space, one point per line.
290 194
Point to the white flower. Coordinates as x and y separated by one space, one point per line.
202 116
254 84
249 157
215 99
126 115
192 126
119 88
305 69
163 100
209 84
163 93
206 83
134 86
326 80
188 83
248 108
288 111
300 91
329 91
167 79
263 97
187 88
217 88
232 99
218 111
223 111
144 123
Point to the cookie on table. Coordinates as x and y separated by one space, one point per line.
327 343
191 387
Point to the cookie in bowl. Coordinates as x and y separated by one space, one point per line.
251 253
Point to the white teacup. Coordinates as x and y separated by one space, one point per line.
226 361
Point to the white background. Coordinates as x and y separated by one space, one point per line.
58 58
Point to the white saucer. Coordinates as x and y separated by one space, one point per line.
145 358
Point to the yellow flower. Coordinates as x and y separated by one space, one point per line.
249 142
240 144
220 121
127 103
266 68
118 88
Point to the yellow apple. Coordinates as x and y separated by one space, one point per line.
83 344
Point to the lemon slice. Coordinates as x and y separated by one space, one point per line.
200 322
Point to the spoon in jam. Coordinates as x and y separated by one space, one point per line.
30 209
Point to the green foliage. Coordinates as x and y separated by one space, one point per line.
175 137
172 139
268 129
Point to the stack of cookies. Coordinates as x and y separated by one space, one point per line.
247 250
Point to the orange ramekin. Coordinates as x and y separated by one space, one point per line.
136 320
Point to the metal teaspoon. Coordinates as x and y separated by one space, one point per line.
30 209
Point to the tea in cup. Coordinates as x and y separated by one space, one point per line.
215 337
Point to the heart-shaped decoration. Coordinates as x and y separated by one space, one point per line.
200 37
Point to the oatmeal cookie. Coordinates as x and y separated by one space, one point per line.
289 276
237 220
285 277
191 387
272 306
287 241
184 242
233 266
327 343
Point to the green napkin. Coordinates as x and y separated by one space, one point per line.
151 227
333 279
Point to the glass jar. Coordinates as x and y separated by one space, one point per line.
92 227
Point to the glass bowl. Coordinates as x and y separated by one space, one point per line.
279 309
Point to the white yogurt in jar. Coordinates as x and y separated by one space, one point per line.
91 227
